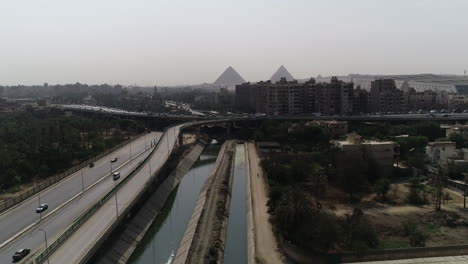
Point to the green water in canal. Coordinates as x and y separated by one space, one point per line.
235 250
162 240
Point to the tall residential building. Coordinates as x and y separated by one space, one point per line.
385 97
425 100
360 100
292 97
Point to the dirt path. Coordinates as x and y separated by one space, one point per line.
208 242
266 246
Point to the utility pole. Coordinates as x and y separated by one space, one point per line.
82 181
130 148
464 192
45 238
39 196
116 206
149 161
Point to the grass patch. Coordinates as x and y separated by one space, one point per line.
432 229
393 244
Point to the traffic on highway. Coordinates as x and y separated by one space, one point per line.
56 207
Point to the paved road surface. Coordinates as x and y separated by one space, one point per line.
266 246
73 249
17 219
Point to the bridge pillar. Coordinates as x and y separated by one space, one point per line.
228 128
181 139
197 133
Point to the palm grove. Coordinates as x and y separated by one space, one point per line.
38 144
299 180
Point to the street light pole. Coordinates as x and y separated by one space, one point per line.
130 148
45 238
82 181
149 161
464 192
116 206
40 213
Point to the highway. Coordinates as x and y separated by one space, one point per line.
365 117
77 246
20 225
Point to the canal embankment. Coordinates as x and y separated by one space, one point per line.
129 238
266 247
205 234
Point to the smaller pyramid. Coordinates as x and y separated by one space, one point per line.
229 78
281 73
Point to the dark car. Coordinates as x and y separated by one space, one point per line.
114 159
42 208
20 254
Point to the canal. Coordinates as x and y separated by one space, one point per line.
163 238
236 238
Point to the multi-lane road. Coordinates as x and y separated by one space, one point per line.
21 224
78 245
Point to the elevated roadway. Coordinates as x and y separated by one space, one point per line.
20 225
385 117
75 249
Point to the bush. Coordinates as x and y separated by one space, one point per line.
382 187
359 234
417 237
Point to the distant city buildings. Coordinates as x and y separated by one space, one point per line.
337 97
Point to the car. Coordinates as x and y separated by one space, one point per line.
42 208
114 159
115 175
20 254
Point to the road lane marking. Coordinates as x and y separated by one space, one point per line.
65 203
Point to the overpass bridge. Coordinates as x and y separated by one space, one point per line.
84 236
245 117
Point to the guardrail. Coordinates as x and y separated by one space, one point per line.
56 178
86 215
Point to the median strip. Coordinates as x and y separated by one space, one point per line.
85 216
65 203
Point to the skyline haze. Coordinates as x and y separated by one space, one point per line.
176 43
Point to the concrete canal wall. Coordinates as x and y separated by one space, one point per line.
203 226
134 232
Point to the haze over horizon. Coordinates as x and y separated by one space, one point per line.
175 43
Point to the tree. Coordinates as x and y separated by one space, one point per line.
458 139
417 237
382 186
438 180
358 232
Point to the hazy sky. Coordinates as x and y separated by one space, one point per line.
171 42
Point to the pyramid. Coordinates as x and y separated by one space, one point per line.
280 73
229 78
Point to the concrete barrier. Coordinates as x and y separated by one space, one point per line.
134 232
396 254
249 215
186 242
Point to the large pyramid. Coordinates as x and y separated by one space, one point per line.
281 73
229 78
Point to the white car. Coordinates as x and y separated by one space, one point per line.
115 175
